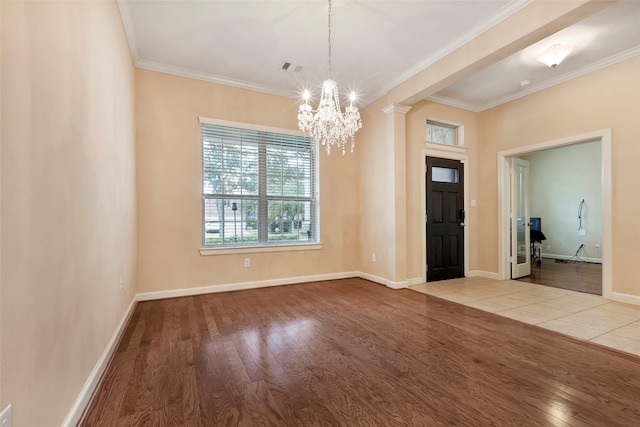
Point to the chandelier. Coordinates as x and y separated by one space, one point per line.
328 124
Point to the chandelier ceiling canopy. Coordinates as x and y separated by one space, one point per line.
328 124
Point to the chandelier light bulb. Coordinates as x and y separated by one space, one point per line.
328 124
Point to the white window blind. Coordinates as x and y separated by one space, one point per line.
259 187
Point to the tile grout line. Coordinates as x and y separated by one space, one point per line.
537 303
509 293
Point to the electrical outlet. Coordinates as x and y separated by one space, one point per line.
247 262
5 417
548 247
373 257
121 283
582 232
598 247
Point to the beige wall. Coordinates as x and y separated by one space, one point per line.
170 179
606 98
68 199
559 178
376 192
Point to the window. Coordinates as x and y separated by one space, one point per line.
449 175
259 186
443 132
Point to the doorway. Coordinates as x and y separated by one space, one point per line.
445 219
565 206
504 196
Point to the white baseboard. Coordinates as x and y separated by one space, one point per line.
629 299
173 293
388 283
81 402
76 411
566 257
487 274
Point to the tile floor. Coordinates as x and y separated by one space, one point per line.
585 316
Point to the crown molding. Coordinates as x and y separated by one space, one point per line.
453 103
603 63
127 22
227 81
396 108
505 12
493 20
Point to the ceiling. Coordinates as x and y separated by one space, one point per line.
375 44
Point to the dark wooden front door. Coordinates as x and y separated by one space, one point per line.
445 219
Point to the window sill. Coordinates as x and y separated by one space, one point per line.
454 148
256 249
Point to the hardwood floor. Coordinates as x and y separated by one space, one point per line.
573 275
354 353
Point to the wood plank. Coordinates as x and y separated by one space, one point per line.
350 352
572 275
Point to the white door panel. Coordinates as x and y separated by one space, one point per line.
520 221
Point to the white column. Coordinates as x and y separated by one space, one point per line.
396 138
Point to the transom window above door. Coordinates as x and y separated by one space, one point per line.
444 132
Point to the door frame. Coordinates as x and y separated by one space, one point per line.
604 135
450 155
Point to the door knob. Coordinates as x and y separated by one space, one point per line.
462 224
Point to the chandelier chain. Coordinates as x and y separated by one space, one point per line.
329 38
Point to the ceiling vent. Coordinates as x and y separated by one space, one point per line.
288 66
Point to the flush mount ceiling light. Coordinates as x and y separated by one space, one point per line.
328 124
555 55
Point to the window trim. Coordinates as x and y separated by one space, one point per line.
273 247
266 246
248 126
